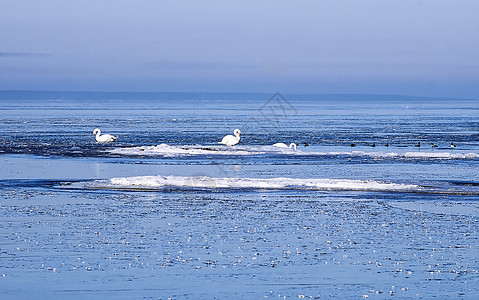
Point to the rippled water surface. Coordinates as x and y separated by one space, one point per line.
167 212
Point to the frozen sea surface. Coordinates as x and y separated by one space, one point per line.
166 212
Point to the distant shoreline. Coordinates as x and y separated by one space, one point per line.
102 95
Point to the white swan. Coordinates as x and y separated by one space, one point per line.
283 145
103 138
230 140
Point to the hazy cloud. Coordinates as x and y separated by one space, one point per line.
22 54
189 65
327 46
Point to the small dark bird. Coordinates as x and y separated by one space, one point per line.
387 145
373 145
353 145
433 145
305 144
453 145
418 144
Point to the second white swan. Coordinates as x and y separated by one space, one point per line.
103 138
283 145
230 140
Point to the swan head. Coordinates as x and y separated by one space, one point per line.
96 131
237 132
293 145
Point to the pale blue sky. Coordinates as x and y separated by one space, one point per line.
408 47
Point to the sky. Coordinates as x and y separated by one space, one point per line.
406 47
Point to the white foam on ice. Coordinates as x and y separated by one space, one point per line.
398 155
174 151
281 183
178 151
418 155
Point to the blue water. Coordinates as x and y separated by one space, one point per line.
167 212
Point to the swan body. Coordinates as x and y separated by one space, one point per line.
230 140
103 138
283 145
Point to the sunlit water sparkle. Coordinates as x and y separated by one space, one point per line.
166 212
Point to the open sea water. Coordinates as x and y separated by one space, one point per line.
358 210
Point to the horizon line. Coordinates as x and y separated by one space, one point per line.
232 92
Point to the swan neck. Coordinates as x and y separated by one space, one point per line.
237 133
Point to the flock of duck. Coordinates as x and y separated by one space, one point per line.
416 145
231 140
